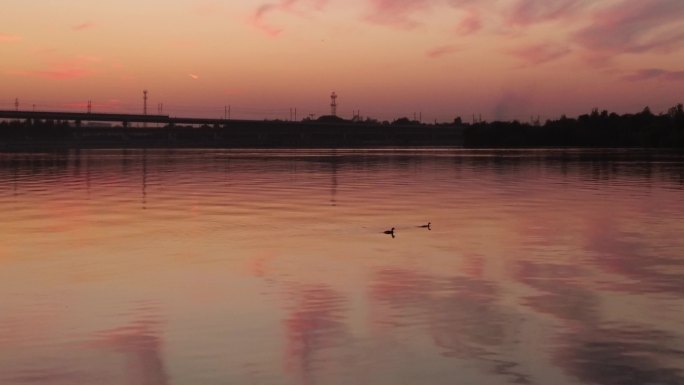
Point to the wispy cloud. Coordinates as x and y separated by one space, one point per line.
540 53
527 12
469 25
57 73
8 38
655 74
396 13
634 26
441 51
263 11
75 68
193 76
519 13
83 26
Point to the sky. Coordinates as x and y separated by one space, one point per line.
386 59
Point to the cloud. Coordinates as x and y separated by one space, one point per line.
57 73
396 13
527 12
655 74
633 26
83 26
540 53
469 25
78 67
194 76
440 51
8 38
263 11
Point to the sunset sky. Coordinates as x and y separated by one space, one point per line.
503 59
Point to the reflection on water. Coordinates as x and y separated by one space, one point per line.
140 348
271 267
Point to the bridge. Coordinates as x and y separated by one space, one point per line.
124 119
47 129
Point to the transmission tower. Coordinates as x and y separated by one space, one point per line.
333 104
145 102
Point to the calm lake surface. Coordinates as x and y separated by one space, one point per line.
271 267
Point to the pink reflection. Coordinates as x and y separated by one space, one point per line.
140 345
561 295
460 314
629 255
315 324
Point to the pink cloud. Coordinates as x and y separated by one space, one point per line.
57 73
540 53
656 74
8 38
527 12
634 27
78 67
474 9
258 19
396 13
469 25
441 51
83 26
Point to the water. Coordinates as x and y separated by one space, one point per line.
271 267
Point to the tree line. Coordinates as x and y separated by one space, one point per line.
596 129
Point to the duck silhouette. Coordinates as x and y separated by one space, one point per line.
428 226
390 232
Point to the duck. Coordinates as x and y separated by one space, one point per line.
390 232
428 226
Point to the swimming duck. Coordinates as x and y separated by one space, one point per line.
427 226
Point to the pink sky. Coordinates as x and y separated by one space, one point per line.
503 59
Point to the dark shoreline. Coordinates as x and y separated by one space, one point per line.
54 130
235 135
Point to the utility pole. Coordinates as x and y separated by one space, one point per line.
90 106
145 102
16 104
145 106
